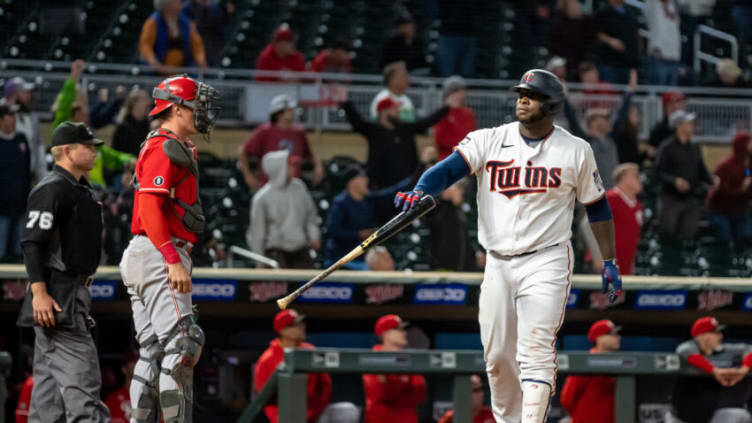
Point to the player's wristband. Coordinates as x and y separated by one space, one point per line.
610 261
170 253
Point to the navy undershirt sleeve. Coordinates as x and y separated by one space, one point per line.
443 175
599 211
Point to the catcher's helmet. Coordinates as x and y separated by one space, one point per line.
547 84
186 91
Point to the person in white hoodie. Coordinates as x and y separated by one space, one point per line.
283 216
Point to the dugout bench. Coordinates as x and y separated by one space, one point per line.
289 382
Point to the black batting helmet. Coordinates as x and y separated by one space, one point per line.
547 84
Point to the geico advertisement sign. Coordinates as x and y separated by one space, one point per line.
747 305
440 294
214 290
328 293
661 300
103 290
572 298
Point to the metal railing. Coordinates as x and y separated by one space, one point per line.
289 382
234 250
701 56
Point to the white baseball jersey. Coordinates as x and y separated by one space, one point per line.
526 195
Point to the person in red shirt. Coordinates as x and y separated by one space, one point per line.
590 399
333 60
392 398
292 331
119 401
24 399
458 123
481 413
627 211
280 133
729 198
280 55
167 218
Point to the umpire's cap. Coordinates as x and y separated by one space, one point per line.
547 84
74 133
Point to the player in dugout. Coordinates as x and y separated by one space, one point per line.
590 399
392 398
481 413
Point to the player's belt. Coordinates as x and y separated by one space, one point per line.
527 253
84 280
185 245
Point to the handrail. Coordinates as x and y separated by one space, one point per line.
712 32
250 255
258 403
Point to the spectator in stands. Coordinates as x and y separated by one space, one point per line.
392 153
590 399
450 244
729 198
618 47
379 259
457 39
664 42
291 328
71 103
724 399
280 133
568 19
458 123
627 137
533 22
283 217
557 66
627 211
169 38
119 401
335 59
17 92
481 413
692 14
133 123
15 182
671 102
104 111
396 80
213 22
280 55
683 174
727 75
352 215
392 398
405 46
600 131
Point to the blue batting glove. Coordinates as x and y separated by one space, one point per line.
407 200
611 280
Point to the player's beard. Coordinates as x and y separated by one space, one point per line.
532 118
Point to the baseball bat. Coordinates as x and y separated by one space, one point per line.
385 232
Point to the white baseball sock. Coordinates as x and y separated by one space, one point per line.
535 400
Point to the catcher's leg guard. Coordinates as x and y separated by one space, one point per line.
144 388
184 345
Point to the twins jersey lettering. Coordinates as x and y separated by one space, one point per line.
526 194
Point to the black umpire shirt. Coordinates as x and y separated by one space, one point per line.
63 229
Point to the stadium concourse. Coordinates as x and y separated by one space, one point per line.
663 97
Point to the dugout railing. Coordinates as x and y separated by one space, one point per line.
289 381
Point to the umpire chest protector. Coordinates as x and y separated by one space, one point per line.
181 156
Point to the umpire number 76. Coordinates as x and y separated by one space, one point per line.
44 219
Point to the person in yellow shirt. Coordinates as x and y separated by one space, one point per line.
170 39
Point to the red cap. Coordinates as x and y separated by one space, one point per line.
286 318
671 97
283 33
601 327
386 103
172 89
388 322
705 325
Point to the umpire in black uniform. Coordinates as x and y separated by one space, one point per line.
61 242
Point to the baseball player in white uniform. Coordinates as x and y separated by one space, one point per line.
529 173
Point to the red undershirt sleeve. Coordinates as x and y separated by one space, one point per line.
155 225
747 361
702 363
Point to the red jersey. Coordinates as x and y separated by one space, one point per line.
269 137
324 62
627 226
589 399
156 174
24 400
119 403
393 398
268 60
452 129
484 415
319 385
